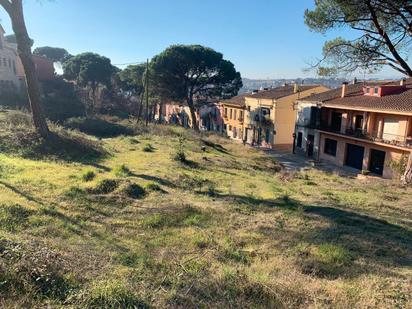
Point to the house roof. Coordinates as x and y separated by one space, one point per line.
355 98
280 92
238 100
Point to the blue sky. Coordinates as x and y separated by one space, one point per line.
263 38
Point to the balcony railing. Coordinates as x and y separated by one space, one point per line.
385 138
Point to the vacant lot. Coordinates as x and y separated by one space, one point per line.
119 221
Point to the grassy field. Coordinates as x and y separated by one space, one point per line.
117 222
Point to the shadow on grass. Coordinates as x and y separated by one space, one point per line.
21 193
161 181
98 127
363 237
215 146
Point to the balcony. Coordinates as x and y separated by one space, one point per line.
389 139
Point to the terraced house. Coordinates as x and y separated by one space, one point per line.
270 115
233 116
366 126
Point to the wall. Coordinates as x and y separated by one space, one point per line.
339 160
232 122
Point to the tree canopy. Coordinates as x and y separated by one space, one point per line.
385 34
130 79
89 69
194 74
55 54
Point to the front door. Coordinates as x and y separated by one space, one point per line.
354 156
377 161
309 145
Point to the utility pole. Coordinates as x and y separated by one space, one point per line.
147 92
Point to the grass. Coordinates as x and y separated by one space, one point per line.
139 229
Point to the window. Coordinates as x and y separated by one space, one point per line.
231 114
226 112
336 121
235 115
230 128
234 132
376 91
330 146
241 115
299 141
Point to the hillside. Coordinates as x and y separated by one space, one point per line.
111 219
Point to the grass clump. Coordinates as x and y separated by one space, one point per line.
180 154
148 148
106 186
122 171
153 187
88 175
133 190
109 293
13 217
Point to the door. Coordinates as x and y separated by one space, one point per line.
309 145
336 121
354 156
377 161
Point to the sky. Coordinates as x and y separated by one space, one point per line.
263 38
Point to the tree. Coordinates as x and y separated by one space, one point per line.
194 74
89 69
14 9
55 54
385 34
130 79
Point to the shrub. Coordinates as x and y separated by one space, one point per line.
180 154
88 175
122 171
13 217
106 186
133 190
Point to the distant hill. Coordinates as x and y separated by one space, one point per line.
254 84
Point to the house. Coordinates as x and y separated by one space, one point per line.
9 77
234 116
210 117
270 116
365 126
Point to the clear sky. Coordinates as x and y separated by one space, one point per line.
263 38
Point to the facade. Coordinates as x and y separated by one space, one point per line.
9 77
365 126
233 111
211 117
270 115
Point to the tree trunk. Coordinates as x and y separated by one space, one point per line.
15 11
407 177
195 125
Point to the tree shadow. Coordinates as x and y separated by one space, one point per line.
98 127
161 181
354 235
215 146
27 196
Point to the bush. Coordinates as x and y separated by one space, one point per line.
151 186
180 154
88 175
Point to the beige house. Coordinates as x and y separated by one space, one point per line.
365 126
270 115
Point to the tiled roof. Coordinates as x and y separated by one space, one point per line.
237 100
280 92
397 102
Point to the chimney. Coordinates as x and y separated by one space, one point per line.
354 81
403 80
344 86
295 88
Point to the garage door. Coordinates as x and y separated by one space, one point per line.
354 156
